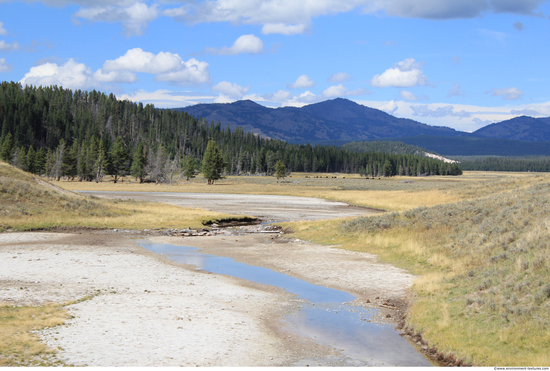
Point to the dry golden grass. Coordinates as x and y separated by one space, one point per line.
483 290
19 346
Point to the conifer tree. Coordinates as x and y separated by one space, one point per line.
189 168
31 160
212 163
119 159
6 151
139 162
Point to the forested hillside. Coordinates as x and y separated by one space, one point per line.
85 135
384 146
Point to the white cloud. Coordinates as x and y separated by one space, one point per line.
445 111
284 29
167 66
456 91
4 67
334 91
115 76
191 72
408 96
230 91
3 31
339 77
134 18
302 82
4 46
244 44
72 75
137 60
507 93
405 74
279 96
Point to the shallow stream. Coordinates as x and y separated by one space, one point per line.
326 315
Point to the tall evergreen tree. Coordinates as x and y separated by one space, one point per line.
189 168
139 161
118 160
6 151
212 163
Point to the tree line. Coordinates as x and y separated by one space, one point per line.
534 163
86 135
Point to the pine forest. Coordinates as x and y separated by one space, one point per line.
83 136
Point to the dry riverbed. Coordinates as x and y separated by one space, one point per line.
147 311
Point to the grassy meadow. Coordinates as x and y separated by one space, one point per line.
478 243
483 265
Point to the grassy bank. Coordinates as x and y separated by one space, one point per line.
29 203
19 345
483 291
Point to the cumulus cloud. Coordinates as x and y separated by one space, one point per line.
3 31
115 76
425 111
134 18
230 91
456 91
4 67
334 91
339 77
191 72
507 93
165 98
249 44
166 66
405 74
279 96
72 75
302 82
138 60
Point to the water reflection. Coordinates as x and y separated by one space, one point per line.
326 317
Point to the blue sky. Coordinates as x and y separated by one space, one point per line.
457 63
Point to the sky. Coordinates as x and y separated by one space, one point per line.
463 64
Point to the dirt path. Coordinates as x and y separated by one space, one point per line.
266 207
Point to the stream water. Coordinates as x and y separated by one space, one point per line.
325 317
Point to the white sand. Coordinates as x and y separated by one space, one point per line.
145 311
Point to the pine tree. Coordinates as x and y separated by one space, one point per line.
39 161
119 160
6 151
31 160
70 161
139 162
189 168
212 163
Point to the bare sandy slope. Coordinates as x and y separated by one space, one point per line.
145 311
265 207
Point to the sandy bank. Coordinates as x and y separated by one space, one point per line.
145 311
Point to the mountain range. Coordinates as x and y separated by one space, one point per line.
341 121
